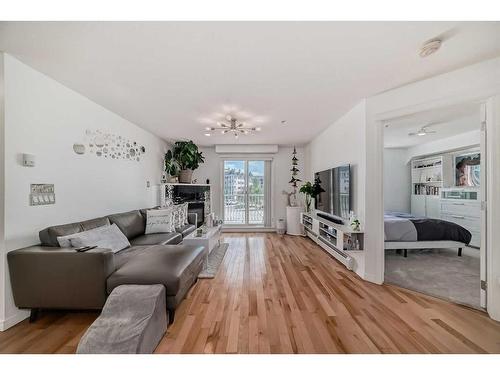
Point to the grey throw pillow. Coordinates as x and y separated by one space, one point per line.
159 221
111 237
65 241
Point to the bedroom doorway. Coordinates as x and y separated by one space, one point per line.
433 192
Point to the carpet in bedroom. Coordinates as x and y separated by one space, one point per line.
437 272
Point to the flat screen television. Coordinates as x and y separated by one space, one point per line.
335 198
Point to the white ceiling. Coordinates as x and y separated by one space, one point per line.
446 122
170 77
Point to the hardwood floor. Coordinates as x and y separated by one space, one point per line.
282 294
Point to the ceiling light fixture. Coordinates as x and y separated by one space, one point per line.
421 132
234 127
428 48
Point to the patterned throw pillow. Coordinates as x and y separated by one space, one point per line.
186 206
159 221
179 215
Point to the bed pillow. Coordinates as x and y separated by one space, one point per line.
111 237
159 221
65 241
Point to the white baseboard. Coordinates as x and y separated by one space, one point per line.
373 278
14 319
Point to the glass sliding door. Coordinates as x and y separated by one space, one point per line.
244 192
235 204
256 190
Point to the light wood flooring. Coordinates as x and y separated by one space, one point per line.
282 294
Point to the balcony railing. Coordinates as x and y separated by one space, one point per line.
234 208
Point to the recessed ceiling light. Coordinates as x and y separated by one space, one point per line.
208 128
428 48
283 122
258 128
208 134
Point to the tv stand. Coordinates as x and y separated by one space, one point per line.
340 241
331 218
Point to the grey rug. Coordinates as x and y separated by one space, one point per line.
214 261
437 272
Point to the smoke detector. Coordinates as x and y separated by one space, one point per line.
430 47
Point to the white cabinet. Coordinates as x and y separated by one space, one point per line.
426 206
432 207
293 225
418 205
463 207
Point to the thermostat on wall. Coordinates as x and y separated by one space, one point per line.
28 160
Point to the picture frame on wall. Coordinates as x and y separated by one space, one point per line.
467 169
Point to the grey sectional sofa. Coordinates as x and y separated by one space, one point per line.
47 276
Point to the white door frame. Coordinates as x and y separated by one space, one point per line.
484 198
374 227
268 202
493 206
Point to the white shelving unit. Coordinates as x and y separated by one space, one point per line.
340 241
428 177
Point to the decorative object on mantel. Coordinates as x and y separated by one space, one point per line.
110 146
183 160
171 167
293 181
311 191
233 127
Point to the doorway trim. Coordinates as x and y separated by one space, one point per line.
269 203
374 228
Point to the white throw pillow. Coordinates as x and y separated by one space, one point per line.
111 237
159 221
65 241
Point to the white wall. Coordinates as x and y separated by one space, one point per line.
397 180
341 143
44 118
281 165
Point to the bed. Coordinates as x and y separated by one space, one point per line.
403 231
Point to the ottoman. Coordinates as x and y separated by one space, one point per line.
133 320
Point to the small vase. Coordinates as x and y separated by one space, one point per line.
185 176
308 205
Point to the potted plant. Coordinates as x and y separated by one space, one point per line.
183 160
310 191
171 166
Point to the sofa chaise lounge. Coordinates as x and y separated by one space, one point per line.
47 276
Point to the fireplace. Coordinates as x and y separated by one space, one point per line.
197 208
196 195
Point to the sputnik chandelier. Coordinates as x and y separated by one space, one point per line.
232 126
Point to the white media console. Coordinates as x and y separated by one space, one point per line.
340 241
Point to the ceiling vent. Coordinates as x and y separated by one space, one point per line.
430 47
